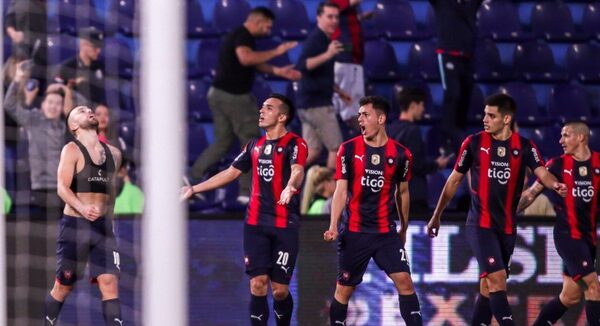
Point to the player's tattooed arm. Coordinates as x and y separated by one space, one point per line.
529 195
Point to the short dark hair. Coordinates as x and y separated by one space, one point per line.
505 103
288 107
324 4
263 11
378 102
407 95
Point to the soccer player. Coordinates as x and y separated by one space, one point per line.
576 222
497 159
271 230
86 184
372 171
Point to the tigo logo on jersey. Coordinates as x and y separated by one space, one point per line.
502 173
583 190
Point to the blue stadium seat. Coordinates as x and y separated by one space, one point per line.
73 15
570 102
229 14
7 49
380 61
261 90
197 102
60 48
291 19
122 17
499 20
582 62
127 132
476 106
264 44
528 113
590 23
546 138
394 20
487 62
423 62
534 62
208 56
553 21
595 139
196 25
120 95
118 58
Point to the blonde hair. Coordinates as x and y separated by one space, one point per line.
316 177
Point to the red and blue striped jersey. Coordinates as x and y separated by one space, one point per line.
577 213
271 163
497 170
373 173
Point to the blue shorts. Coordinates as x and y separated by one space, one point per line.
81 242
492 249
356 249
578 255
271 251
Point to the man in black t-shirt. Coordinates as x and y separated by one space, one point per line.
84 72
406 131
230 99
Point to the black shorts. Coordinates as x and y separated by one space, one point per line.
578 255
493 249
356 249
271 251
81 242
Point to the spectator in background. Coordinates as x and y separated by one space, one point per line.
26 27
407 132
84 72
46 133
130 198
456 35
107 129
348 68
316 88
318 191
230 98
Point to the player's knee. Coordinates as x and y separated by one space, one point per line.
496 281
570 298
593 290
404 283
343 293
280 293
259 285
60 291
108 285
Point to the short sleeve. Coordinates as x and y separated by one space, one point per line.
465 156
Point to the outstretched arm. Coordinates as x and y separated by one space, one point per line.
448 193
218 180
549 181
249 57
294 183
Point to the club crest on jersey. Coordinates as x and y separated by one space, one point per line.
597 170
280 149
515 152
390 161
375 159
268 149
501 151
583 171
